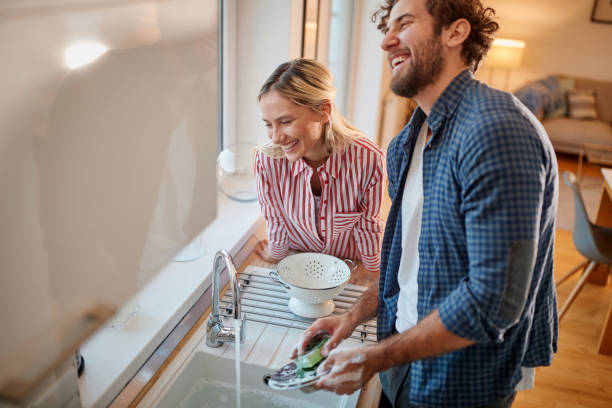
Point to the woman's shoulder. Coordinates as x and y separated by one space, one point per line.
365 157
362 143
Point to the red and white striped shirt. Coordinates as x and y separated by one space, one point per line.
352 184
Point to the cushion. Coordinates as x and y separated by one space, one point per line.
568 135
541 97
565 85
581 104
603 90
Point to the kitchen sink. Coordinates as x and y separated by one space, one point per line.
208 380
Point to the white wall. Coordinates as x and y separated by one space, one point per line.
261 43
367 71
560 38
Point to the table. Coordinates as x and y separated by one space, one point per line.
604 217
594 153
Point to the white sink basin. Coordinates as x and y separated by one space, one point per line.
208 380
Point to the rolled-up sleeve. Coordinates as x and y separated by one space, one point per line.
502 179
271 207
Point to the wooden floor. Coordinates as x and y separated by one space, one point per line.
578 377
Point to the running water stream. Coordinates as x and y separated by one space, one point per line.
237 323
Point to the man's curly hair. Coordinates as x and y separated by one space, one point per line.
444 13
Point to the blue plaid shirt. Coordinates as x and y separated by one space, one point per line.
490 187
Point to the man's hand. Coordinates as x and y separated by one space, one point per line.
339 327
348 369
262 250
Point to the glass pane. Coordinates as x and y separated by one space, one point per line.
340 49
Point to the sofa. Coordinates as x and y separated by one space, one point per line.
574 111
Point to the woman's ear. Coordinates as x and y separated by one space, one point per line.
326 110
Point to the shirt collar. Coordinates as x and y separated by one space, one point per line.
447 102
408 134
445 106
331 166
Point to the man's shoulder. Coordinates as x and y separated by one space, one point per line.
494 124
491 113
484 100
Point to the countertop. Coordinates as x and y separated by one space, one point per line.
266 345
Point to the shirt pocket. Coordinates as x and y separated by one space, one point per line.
344 222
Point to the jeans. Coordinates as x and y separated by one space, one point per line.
396 390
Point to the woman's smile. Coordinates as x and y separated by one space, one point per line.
289 146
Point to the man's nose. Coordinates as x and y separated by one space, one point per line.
389 41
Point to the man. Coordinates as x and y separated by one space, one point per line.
466 302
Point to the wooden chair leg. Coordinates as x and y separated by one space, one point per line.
577 289
573 271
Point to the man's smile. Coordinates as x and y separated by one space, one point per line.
397 60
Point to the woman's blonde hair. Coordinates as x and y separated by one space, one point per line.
309 83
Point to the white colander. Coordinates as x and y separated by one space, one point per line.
312 280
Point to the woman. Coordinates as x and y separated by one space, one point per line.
320 181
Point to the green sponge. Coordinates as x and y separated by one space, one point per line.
312 357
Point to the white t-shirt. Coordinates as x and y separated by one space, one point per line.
412 212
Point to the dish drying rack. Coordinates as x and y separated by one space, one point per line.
264 301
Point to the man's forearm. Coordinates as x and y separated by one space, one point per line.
426 339
367 305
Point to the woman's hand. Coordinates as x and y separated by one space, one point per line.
263 251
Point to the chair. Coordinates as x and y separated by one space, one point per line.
592 241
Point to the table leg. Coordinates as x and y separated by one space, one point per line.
605 339
604 217
604 210
580 159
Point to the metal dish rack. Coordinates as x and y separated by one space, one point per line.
264 301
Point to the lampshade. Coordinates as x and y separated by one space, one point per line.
505 53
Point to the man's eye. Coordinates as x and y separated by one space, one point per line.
286 122
268 125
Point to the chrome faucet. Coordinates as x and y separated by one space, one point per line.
216 334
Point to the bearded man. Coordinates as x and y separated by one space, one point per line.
466 302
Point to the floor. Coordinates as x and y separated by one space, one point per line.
578 377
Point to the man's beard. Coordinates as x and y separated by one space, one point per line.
425 68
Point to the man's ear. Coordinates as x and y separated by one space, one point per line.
457 32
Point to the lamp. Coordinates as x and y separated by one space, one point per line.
506 54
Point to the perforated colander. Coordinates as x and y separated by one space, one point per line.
312 278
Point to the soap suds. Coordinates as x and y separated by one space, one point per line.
352 378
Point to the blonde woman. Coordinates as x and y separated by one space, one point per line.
320 180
